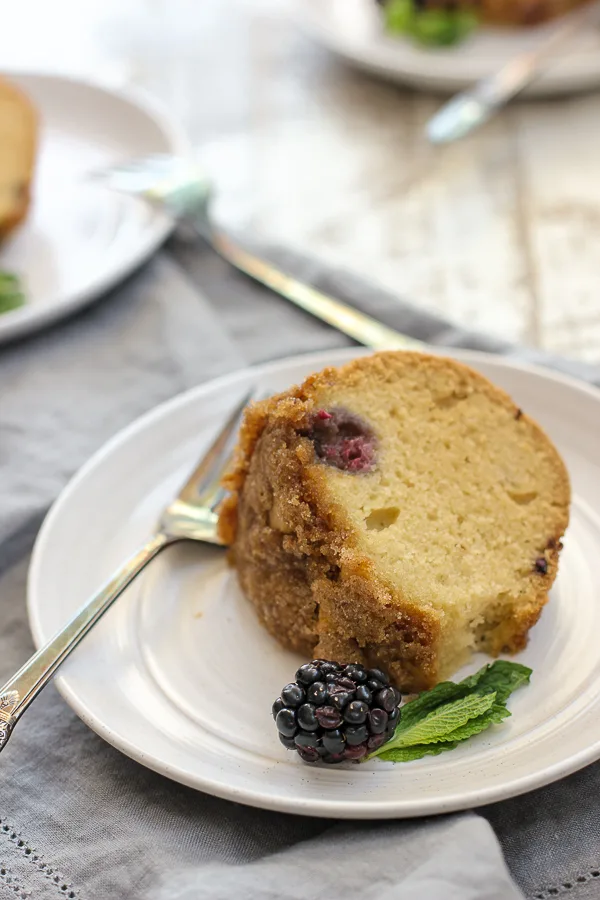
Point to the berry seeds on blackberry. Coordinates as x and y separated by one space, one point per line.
334 712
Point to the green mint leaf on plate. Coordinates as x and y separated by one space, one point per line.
421 706
444 720
493 716
408 754
441 718
432 27
442 27
11 293
501 676
399 16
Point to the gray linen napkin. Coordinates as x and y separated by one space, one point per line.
79 820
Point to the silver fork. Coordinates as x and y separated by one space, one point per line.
177 186
192 515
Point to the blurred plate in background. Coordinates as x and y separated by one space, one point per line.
353 30
78 239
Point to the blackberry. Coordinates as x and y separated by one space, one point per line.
307 719
356 734
356 751
386 699
328 717
374 742
334 741
393 720
308 754
277 707
378 674
293 695
378 721
339 697
316 694
356 673
363 693
335 712
334 758
307 674
286 722
305 739
356 712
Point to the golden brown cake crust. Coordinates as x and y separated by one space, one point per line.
18 213
298 555
18 140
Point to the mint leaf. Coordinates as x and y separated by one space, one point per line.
407 754
501 676
434 27
442 27
399 16
11 295
494 715
421 706
449 741
8 278
10 301
451 712
441 721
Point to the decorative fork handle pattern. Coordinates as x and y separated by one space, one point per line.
350 321
22 688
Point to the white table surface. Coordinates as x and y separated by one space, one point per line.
500 232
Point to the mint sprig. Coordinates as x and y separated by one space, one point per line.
431 26
501 676
440 719
408 754
11 293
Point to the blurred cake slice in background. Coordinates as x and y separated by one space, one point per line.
446 22
18 139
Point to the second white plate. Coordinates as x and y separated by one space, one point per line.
180 676
353 29
80 239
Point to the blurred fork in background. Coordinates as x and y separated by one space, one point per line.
178 187
470 109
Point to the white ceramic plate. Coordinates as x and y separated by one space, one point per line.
180 676
79 238
353 29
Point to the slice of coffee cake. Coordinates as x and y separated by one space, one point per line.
399 510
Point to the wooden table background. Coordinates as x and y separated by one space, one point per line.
500 232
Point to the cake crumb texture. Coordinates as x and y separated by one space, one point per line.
447 544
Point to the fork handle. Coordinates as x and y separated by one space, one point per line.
22 688
357 325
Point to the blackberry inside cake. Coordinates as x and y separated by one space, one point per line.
399 511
